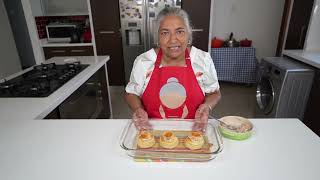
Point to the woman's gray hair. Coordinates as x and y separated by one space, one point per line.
172 11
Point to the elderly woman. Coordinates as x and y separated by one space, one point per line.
175 79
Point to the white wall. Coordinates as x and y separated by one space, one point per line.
313 35
258 20
9 60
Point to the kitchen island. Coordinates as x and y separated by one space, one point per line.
37 150
40 107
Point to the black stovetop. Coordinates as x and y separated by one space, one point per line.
40 81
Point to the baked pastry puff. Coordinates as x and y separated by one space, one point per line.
168 140
194 141
146 139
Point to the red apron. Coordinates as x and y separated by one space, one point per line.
173 91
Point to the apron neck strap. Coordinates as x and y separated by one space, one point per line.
186 55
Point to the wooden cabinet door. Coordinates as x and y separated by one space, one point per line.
298 25
199 14
311 115
50 52
106 22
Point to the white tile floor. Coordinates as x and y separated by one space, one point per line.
237 99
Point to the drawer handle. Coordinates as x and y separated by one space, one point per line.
78 50
197 30
58 51
106 32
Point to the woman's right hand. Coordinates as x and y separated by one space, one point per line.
140 119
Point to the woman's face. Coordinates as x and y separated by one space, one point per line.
173 37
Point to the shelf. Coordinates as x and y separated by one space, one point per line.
45 43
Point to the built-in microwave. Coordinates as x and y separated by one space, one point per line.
61 32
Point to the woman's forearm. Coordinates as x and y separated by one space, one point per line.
213 98
133 101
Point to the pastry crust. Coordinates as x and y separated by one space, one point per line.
168 140
145 139
194 141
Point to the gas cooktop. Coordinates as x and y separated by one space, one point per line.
40 81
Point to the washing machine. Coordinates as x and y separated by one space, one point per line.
283 88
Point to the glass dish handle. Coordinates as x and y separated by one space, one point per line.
123 135
219 138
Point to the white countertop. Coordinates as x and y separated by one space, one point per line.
83 149
308 57
38 108
45 43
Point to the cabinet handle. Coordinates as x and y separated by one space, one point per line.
106 32
197 30
77 50
303 28
58 51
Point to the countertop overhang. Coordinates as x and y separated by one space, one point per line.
38 108
309 57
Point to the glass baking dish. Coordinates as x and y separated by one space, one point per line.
181 128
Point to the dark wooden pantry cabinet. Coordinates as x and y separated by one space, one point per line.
106 22
199 14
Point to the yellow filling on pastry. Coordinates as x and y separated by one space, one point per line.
194 141
146 139
168 140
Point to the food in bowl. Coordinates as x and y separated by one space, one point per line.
145 139
194 141
235 127
168 140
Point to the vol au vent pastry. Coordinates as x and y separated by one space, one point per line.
194 141
168 140
146 139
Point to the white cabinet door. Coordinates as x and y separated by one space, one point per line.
63 7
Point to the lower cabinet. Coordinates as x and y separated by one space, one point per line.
89 101
311 115
50 52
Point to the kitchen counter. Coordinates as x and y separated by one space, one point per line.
311 58
82 150
39 107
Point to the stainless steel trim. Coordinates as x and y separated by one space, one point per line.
303 28
106 32
78 50
269 107
58 51
197 30
147 32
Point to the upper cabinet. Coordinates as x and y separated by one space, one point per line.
59 7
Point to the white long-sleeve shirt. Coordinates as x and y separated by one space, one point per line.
201 63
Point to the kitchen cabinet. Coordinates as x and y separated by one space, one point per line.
62 7
50 52
106 22
89 101
298 25
200 19
311 116
295 20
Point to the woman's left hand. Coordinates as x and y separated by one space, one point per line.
201 117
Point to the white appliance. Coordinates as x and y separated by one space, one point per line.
137 24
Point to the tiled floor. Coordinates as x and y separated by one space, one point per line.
237 99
